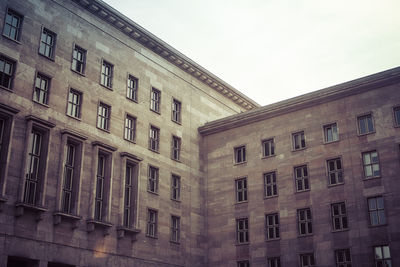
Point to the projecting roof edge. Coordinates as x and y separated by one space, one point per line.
155 44
335 92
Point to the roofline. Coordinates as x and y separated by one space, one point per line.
133 30
328 94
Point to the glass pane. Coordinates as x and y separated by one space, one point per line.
382 217
367 158
379 201
370 125
368 171
372 203
378 253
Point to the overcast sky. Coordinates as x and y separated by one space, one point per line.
272 50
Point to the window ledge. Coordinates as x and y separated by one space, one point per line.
133 100
371 178
273 239
305 235
92 224
340 230
177 160
242 244
179 123
107 87
6 88
16 41
176 200
21 207
49 58
337 184
75 118
175 242
130 141
240 163
330 142
377 225
77 72
42 104
155 111
269 156
59 216
302 191
2 201
151 192
299 149
241 202
364 134
152 237
396 125
104 130
123 231
269 197
155 151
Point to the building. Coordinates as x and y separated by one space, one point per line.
117 150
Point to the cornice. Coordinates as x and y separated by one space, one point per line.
150 41
335 92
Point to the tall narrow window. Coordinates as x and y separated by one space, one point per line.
35 161
155 100
103 116
176 110
42 85
335 172
339 216
382 256
376 210
301 178
272 226
129 196
47 43
365 124
242 231
299 141
130 128
6 72
78 59
175 187
100 179
270 188
106 74
12 25
274 262
371 164
74 103
243 264
240 154
268 147
343 258
331 133
396 113
2 140
307 260
241 190
154 138
175 229
151 229
176 148
152 185
67 192
305 221
132 87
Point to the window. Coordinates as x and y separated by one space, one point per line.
299 140
106 74
268 147
176 148
371 164
47 43
130 128
175 187
243 264
100 180
339 216
305 221
12 25
154 138
240 154
152 185
242 231
151 229
274 262
175 229
176 111
365 124
241 190
78 59
270 188
307 260
343 258
155 100
103 116
42 85
301 178
335 172
69 170
130 194
6 72
74 103
396 112
331 133
272 226
132 87
376 210
382 256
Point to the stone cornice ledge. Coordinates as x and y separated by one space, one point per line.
335 92
150 41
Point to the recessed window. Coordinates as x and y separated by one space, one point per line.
176 148
241 190
176 111
106 74
152 184
151 229
154 138
242 231
304 221
270 184
301 178
371 164
175 187
335 171
272 226
274 262
268 147
74 103
155 100
42 85
331 133
130 194
243 264
307 260
78 59
365 124
132 87
69 170
376 211
12 25
339 216
175 228
103 116
240 154
382 256
130 128
47 43
103 177
7 68
343 257
396 112
299 141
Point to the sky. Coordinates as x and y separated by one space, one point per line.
272 50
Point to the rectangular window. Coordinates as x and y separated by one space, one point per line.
132 87
6 72
268 148
152 185
396 112
274 262
100 180
47 43
176 148
331 133
69 170
272 226
304 221
103 116
154 138
130 128
12 25
175 187
243 264
42 85
343 258
240 154
299 140
365 124
155 100
242 231
74 103
78 59
106 74
376 210
151 229
301 178
3 145
371 164
335 171
270 187
129 194
307 260
339 216
176 111
241 190
175 229
382 256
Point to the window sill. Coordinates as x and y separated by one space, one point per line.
79 73
7 89
396 125
269 156
371 178
364 134
130 141
42 104
175 242
13 40
269 197
155 111
151 192
239 163
330 142
104 130
242 244
60 216
155 151
177 122
22 207
241 202
92 224
176 200
305 235
378 225
72 117
123 231
299 149
2 201
340 230
337 184
132 100
177 160
273 239
302 191
107 87
49 58
152 237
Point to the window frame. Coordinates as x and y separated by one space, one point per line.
275 227
371 164
346 261
310 258
367 130
176 187
78 106
175 229
130 130
106 79
271 147
18 30
129 215
242 233
384 259
241 193
155 104
396 120
176 114
273 184
176 150
153 180
11 76
132 92
337 172
326 135
151 225
342 217
379 211
46 91
103 120
239 153
82 62
154 140
303 144
52 46
274 261
305 179
307 221
243 263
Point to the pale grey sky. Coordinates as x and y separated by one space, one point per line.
272 50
